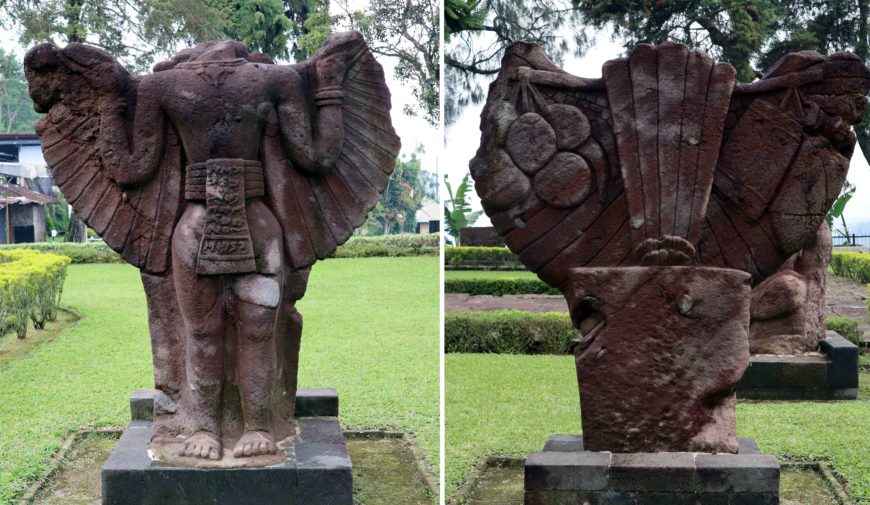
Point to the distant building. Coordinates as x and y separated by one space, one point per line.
26 188
429 217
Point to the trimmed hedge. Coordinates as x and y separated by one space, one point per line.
854 265
509 332
405 244
481 258
88 252
357 247
499 287
31 283
521 332
847 327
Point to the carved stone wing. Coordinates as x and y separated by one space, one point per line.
319 213
664 160
784 159
68 84
547 170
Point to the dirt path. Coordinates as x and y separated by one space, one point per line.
845 297
456 302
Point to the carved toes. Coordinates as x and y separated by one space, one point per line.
202 445
254 443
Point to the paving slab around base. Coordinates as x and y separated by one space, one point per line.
385 472
501 483
564 473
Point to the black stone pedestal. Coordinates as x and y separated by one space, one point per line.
565 474
316 471
830 376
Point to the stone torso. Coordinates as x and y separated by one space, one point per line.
219 110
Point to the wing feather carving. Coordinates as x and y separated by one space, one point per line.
665 159
319 212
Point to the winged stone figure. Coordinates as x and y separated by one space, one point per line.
641 193
665 159
223 177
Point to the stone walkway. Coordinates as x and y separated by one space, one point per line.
457 302
845 297
848 298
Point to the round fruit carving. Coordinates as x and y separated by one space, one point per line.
531 142
564 181
570 125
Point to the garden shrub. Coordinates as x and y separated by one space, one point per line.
405 244
481 258
31 283
847 327
854 265
87 252
499 287
357 247
509 332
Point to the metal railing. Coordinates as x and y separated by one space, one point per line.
852 240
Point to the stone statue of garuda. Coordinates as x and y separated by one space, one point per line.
653 197
223 177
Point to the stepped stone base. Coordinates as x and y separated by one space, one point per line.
833 375
316 471
565 474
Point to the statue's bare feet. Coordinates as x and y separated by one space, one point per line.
202 444
254 443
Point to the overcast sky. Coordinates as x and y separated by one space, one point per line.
463 137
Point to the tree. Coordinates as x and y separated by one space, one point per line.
752 36
16 109
457 209
479 32
429 180
396 211
408 31
311 24
837 210
730 30
135 31
461 15
261 25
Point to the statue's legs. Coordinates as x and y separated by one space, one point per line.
257 298
201 301
295 284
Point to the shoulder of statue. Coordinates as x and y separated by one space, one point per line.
285 79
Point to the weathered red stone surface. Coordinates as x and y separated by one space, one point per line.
663 349
788 308
223 178
667 161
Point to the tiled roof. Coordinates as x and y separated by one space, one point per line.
13 193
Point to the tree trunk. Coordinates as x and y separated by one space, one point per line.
77 231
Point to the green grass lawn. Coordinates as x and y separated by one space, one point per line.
371 331
509 405
488 274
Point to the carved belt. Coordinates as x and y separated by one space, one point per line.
224 184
